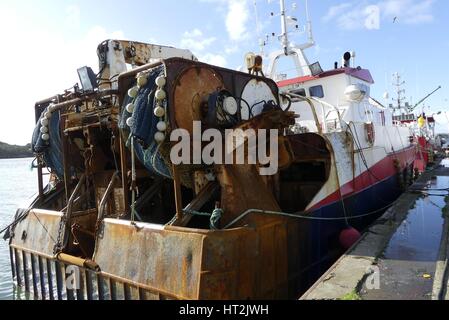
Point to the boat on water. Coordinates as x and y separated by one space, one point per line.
121 219
422 125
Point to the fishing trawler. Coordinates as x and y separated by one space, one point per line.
369 147
121 219
422 125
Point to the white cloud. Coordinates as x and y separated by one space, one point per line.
368 14
352 19
73 17
193 34
237 19
237 16
408 11
194 41
231 49
41 66
214 59
336 10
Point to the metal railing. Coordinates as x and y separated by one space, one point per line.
47 278
337 123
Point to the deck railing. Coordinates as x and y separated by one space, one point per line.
43 277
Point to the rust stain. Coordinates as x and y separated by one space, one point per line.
192 88
38 232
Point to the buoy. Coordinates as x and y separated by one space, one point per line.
348 237
130 122
161 81
421 122
44 122
47 115
45 137
161 126
44 129
130 107
133 92
159 137
159 112
141 81
160 94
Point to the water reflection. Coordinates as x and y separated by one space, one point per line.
418 238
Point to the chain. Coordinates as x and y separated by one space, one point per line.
58 246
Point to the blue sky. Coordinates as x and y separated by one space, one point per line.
44 42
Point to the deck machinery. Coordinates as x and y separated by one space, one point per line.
137 226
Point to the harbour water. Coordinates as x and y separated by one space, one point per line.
403 254
18 186
409 262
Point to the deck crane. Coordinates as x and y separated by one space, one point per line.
411 109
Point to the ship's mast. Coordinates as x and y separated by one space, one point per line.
284 35
398 83
311 41
296 52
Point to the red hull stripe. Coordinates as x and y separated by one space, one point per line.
361 74
381 171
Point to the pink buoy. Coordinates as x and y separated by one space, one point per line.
348 237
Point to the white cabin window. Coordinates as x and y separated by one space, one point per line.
316 91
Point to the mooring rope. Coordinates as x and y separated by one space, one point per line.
298 215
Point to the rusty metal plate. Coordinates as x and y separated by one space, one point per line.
169 261
196 264
38 232
153 262
245 263
242 188
192 89
229 266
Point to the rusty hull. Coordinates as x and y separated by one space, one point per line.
38 232
259 259
173 262
243 263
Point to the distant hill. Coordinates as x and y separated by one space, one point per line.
8 151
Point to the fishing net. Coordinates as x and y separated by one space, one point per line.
50 150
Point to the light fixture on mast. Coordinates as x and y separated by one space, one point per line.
296 52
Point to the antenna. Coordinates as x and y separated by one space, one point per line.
309 24
284 35
399 92
256 16
289 49
287 21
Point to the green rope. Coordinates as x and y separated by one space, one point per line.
300 215
214 217
197 213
